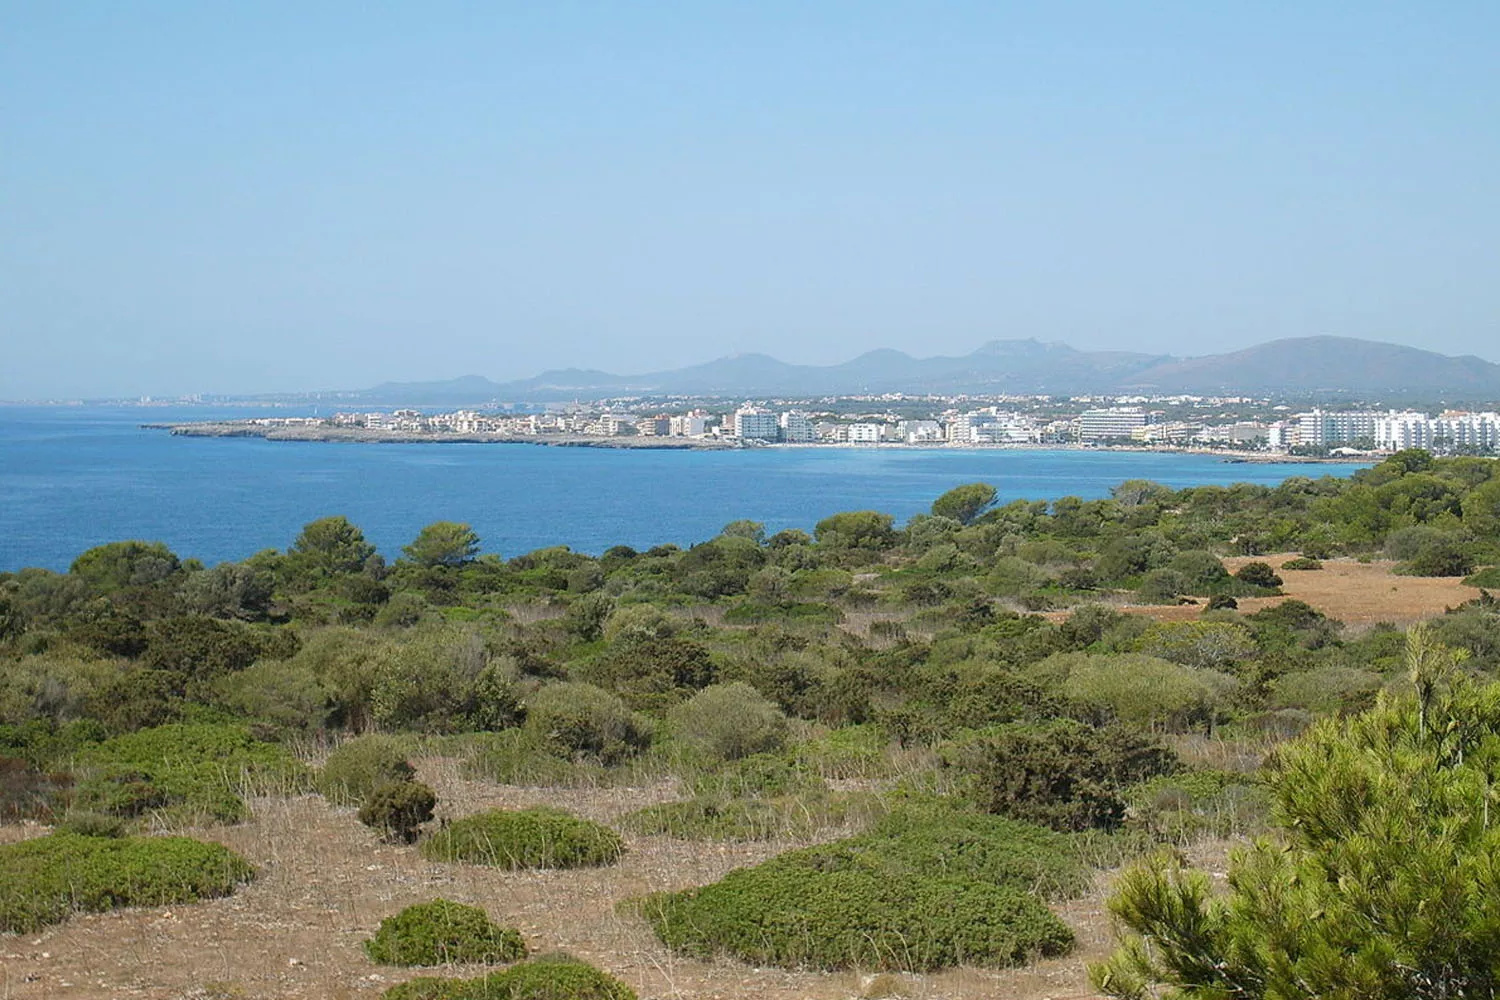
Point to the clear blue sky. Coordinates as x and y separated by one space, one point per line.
203 196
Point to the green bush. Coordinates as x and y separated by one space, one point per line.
1060 774
791 817
524 757
1182 808
527 838
548 977
1258 574
191 771
758 775
1489 577
92 824
358 767
581 720
849 752
44 880
730 721
926 889
1302 563
398 809
442 933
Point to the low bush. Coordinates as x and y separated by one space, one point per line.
759 775
442 933
790 817
45 880
356 768
527 838
1302 563
524 757
1182 808
92 824
926 889
398 809
1258 574
730 721
188 771
581 720
29 793
1060 774
548 977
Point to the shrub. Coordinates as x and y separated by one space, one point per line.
44 880
398 809
924 890
1443 556
849 752
443 933
1162 586
1060 774
528 838
548 977
1181 808
758 775
1258 574
29 793
730 721
354 770
522 757
194 771
583 720
1484 578
92 824
1302 563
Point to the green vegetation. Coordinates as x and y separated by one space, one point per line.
45 880
990 673
547 977
925 889
525 838
1383 879
354 770
443 933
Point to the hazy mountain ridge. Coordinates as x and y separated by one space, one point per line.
1297 365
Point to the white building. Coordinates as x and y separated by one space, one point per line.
1320 428
693 424
919 431
796 428
1115 422
752 423
865 433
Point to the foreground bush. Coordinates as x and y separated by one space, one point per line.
528 838
581 720
1383 884
443 933
360 766
45 880
550 977
924 890
190 771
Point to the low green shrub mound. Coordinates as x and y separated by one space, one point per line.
926 889
189 771
793 817
358 767
527 838
45 880
550 977
441 933
1302 563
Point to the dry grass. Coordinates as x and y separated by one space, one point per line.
1352 592
326 883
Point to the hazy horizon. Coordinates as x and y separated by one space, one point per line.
237 200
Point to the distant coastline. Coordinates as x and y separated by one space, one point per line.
362 435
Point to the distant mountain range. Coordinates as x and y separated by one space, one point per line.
1304 366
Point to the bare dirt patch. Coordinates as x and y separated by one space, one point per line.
326 882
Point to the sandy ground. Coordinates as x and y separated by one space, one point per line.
1353 592
326 882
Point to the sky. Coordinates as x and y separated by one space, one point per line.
203 196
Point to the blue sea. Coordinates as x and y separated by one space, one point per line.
74 477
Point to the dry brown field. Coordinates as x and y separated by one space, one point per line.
1352 592
326 882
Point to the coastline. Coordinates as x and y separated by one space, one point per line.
360 435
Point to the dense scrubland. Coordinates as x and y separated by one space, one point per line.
946 730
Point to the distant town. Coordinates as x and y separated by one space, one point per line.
1236 425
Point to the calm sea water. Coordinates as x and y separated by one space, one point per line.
73 477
